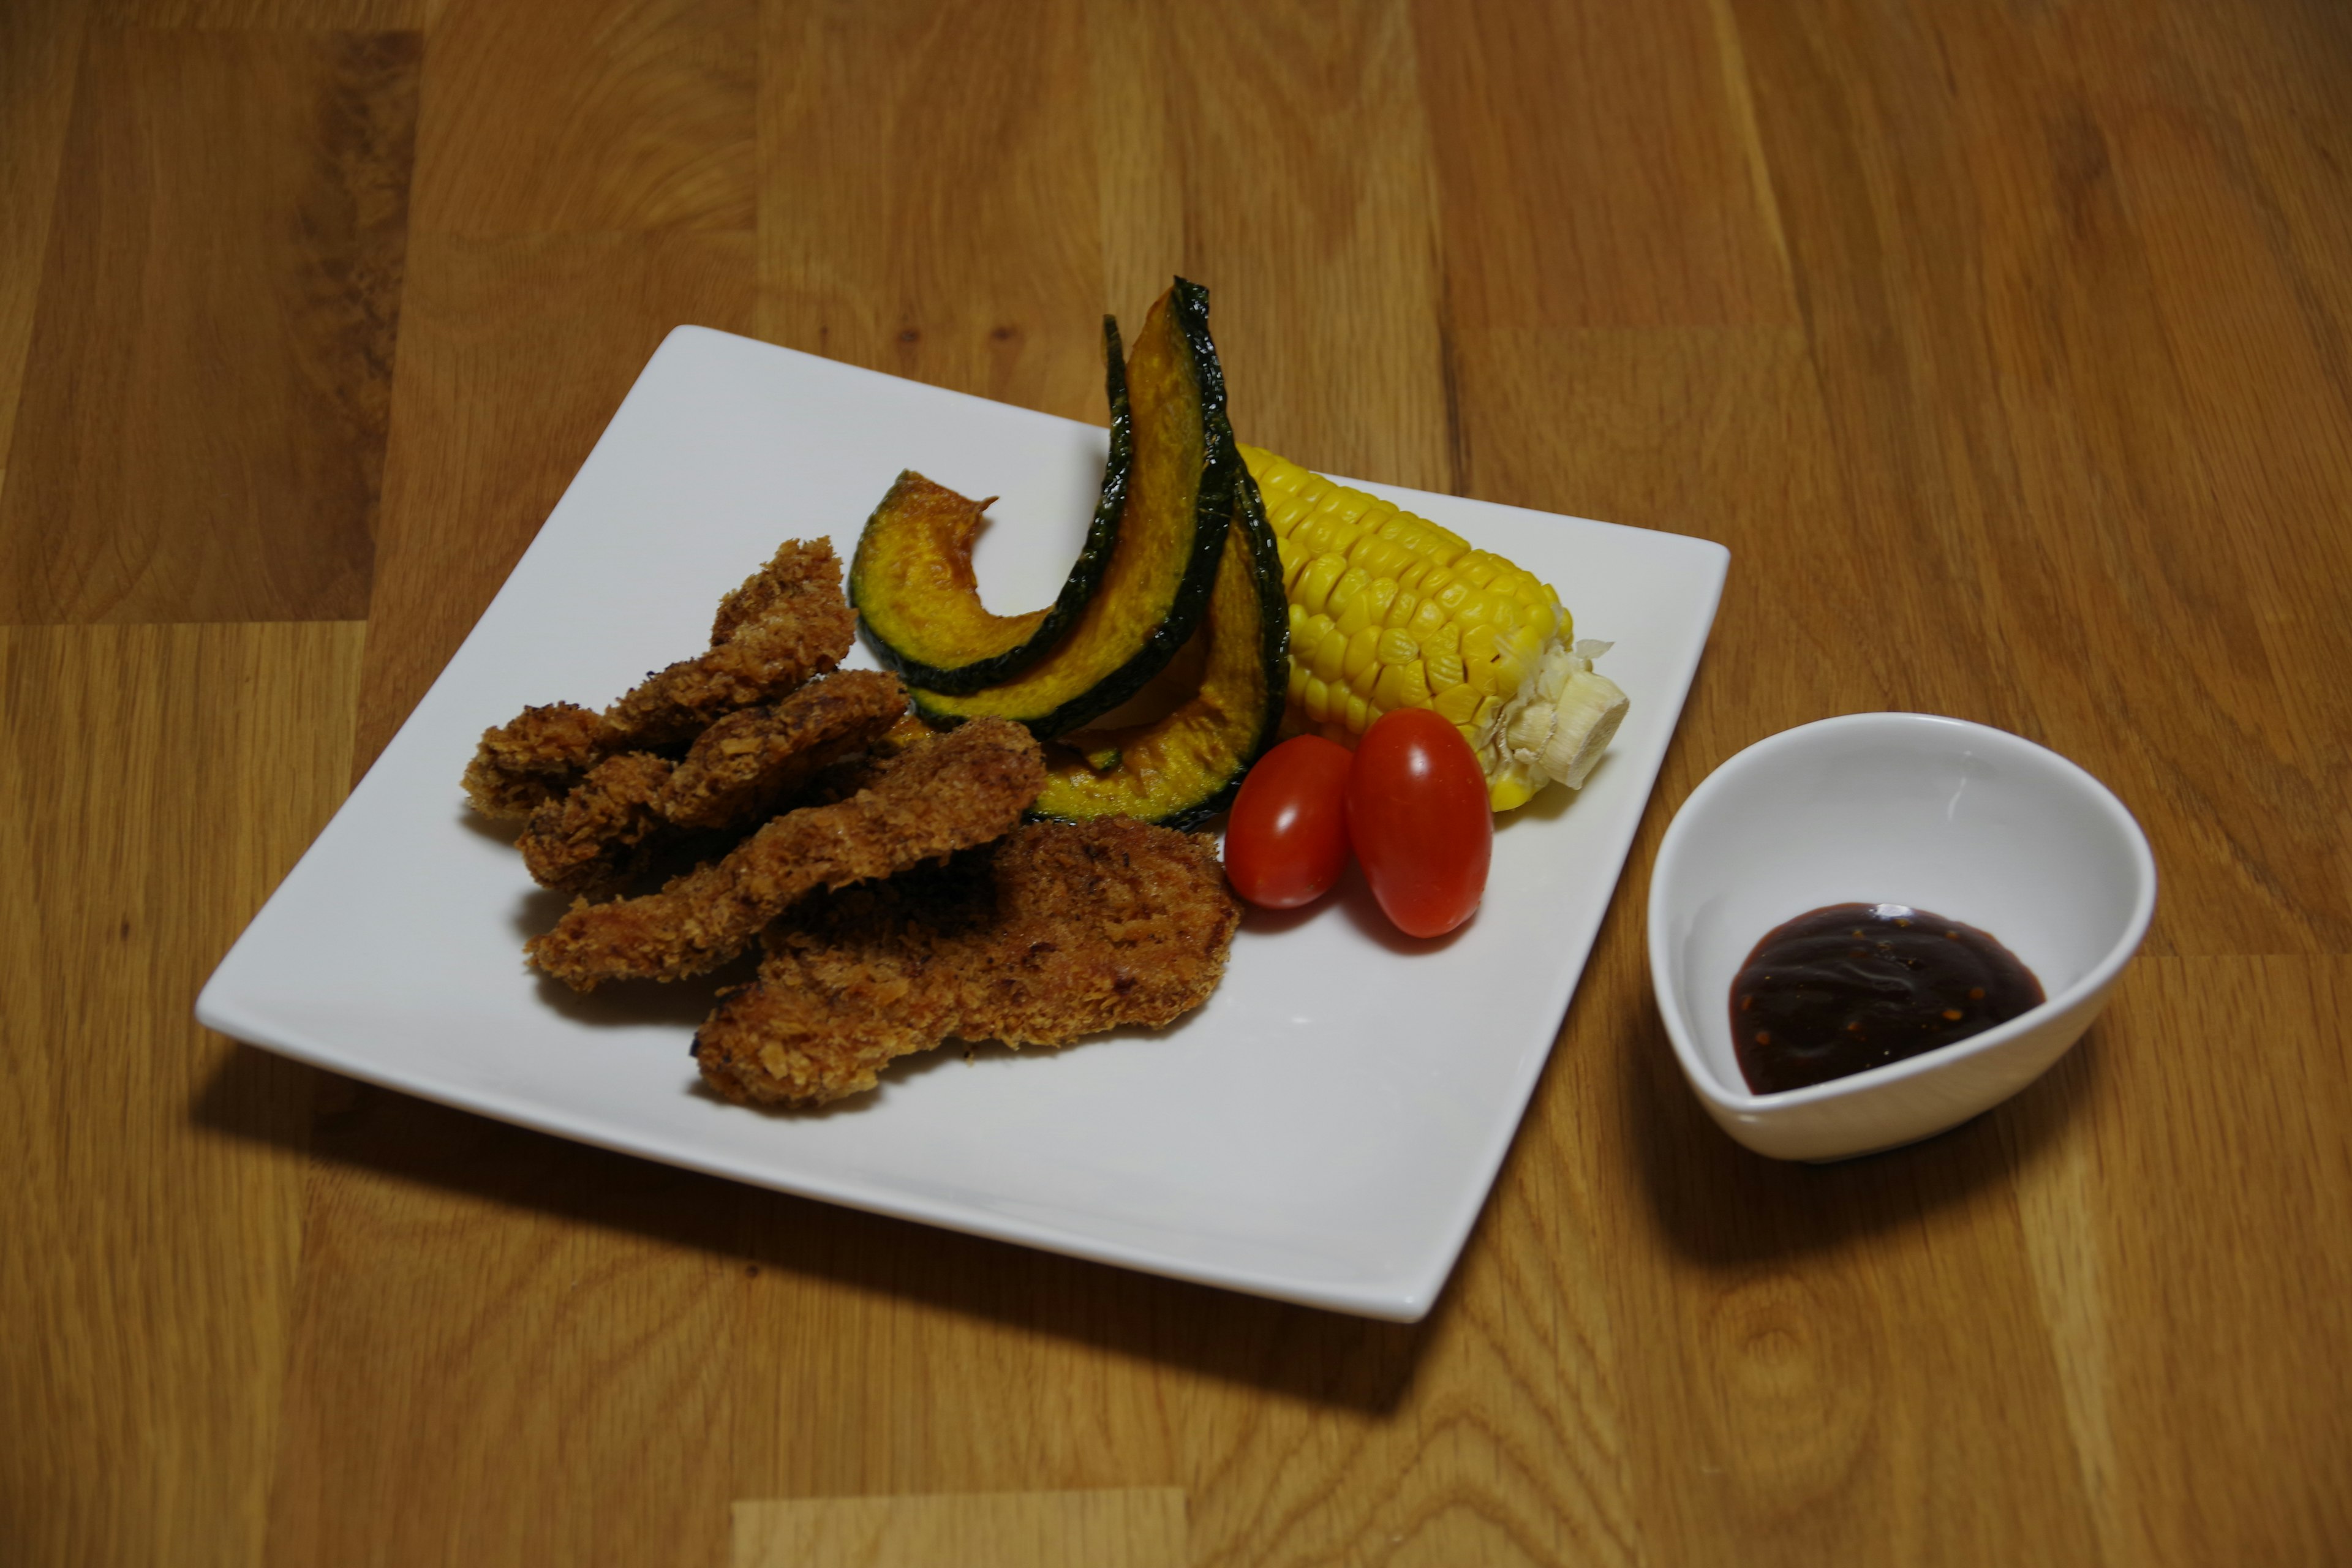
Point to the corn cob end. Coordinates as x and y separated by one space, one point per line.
1390 610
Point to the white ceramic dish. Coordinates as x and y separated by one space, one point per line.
1324 1131
1972 823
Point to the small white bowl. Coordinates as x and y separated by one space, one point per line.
1968 821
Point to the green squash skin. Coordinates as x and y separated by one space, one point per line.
1274 641
1272 631
1084 581
1189 309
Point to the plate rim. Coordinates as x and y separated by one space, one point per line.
1406 1295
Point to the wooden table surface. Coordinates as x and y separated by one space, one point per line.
2007 346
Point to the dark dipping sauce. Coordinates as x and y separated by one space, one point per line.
1853 986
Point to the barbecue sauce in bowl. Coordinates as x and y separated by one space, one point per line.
1848 987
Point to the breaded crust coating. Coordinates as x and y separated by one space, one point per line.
798 574
595 834
787 622
1057 932
745 764
944 794
520 766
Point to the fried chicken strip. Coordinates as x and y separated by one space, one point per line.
940 795
785 623
740 769
798 577
746 762
522 766
595 835
1057 932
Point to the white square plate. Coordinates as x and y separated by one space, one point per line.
1324 1131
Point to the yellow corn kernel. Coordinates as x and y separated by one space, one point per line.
1327 535
1402 686
1479 644
1451 596
1388 610
1293 560
1328 656
1499 679
1459 702
1506 794
1337 499
1381 557
1348 605
1477 607
1445 643
1314 589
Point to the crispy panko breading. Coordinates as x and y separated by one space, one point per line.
522 766
595 835
798 574
937 796
745 764
787 622
1057 932
740 769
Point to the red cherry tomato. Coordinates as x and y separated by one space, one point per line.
1286 841
1418 816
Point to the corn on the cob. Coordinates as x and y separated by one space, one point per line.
1388 610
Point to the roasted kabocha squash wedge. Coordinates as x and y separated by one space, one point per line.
1156 586
911 579
1185 768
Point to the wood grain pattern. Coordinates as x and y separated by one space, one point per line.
507 1348
1659 108
953 238
1825 1361
1296 157
1138 1526
587 116
40 42
201 436
929 1321
2009 349
2004 372
2172 1357
276 16
1717 432
499 398
160 781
